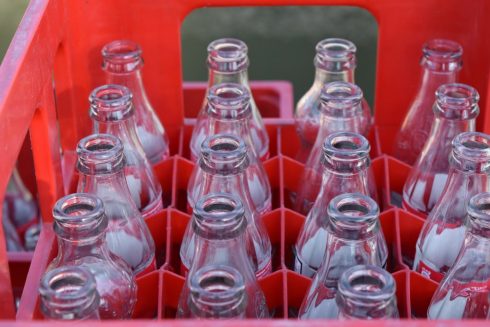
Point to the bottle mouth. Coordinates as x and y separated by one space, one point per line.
346 146
366 285
121 56
111 102
217 290
224 154
471 151
456 101
100 154
78 216
229 101
335 55
341 99
442 55
353 212
479 211
219 216
68 290
227 55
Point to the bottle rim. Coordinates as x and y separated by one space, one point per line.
473 146
111 102
121 56
229 101
100 154
341 96
457 101
346 146
353 211
53 281
479 210
335 55
227 55
224 154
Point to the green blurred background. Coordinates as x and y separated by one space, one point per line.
281 40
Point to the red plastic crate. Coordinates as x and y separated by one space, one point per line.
59 40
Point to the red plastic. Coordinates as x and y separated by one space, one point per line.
62 38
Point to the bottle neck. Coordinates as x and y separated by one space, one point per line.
444 130
109 187
323 77
239 77
69 250
367 309
432 80
132 80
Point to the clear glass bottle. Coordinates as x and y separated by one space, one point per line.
346 170
443 233
112 112
31 237
216 236
340 112
441 62
101 172
12 239
122 63
228 63
215 292
335 61
352 236
465 290
81 226
223 166
229 112
455 111
367 292
22 206
69 293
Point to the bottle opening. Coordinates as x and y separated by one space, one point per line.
219 208
229 101
345 145
442 56
121 56
367 282
457 101
341 148
335 55
479 209
99 147
352 211
80 209
223 154
100 154
341 95
227 55
111 103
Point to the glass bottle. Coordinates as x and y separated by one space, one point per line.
335 61
340 112
12 239
81 226
443 233
216 236
464 292
101 172
216 292
31 237
22 207
346 170
112 112
122 63
366 292
441 62
351 236
69 293
229 112
455 111
228 63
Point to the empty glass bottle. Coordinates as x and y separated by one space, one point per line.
224 166
112 112
122 63
69 293
12 239
346 170
228 63
441 62
216 236
340 112
81 226
443 233
229 112
351 236
31 237
366 292
22 207
215 292
464 292
455 111
335 61
101 172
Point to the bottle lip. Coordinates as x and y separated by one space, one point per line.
224 154
472 146
220 287
69 287
219 216
341 98
79 215
229 101
346 146
442 55
111 102
335 55
121 56
100 154
366 284
456 101
227 55
353 211
479 210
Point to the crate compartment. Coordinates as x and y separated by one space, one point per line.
421 292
